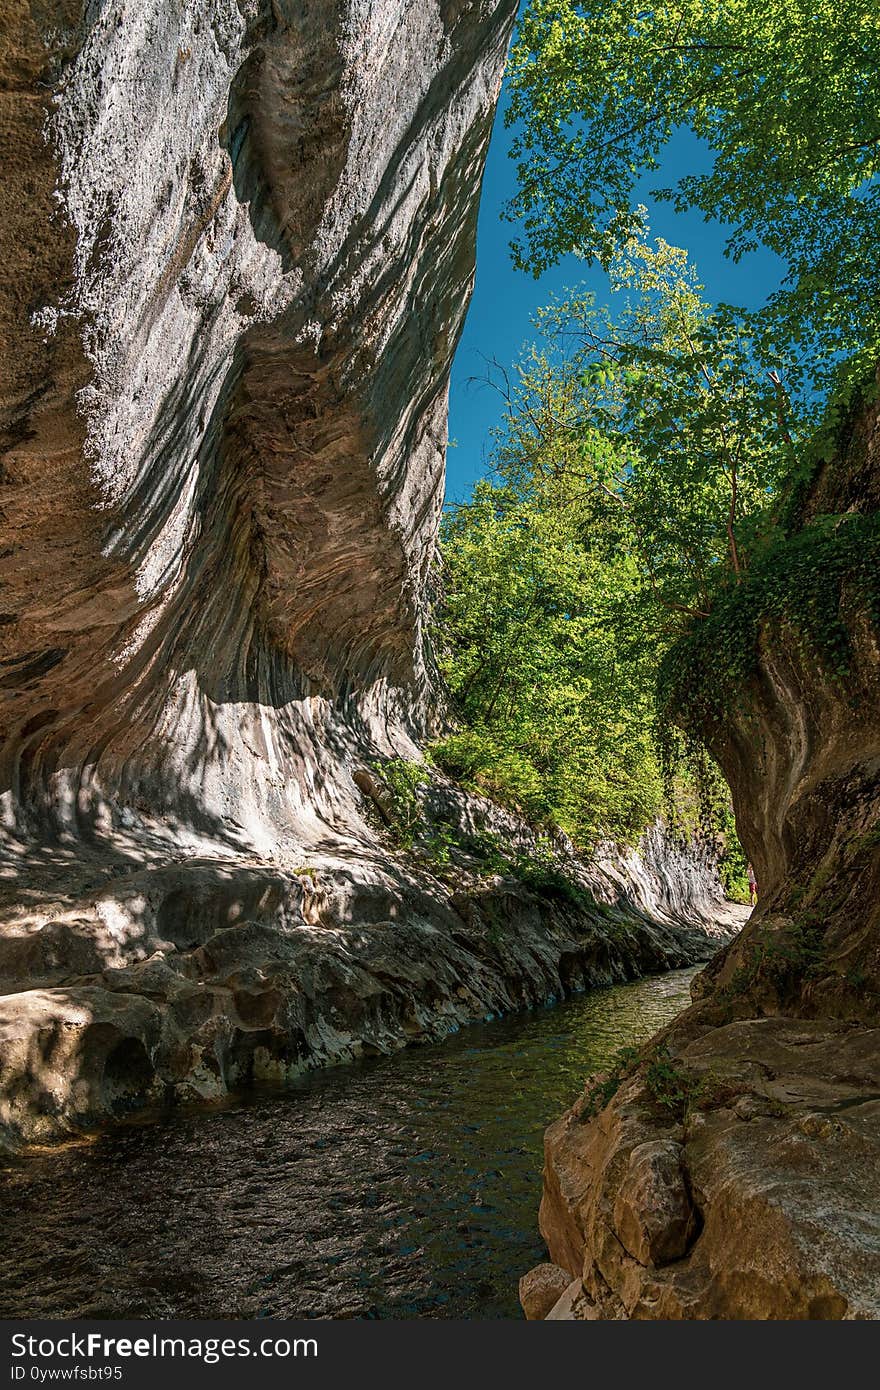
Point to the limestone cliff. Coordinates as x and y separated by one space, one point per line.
224 438
735 1172
238 249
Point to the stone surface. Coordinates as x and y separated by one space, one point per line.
801 752
571 1306
238 246
654 1218
541 1289
784 1187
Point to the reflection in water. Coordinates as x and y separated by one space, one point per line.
403 1187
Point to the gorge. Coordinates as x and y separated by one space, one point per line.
243 241
239 247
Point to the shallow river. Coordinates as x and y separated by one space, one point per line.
406 1186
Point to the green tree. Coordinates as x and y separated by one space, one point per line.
661 413
786 96
553 700
635 468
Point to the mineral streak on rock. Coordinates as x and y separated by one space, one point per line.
238 249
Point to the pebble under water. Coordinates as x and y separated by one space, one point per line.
405 1186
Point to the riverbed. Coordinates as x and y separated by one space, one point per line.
405 1186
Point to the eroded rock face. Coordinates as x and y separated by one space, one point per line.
239 246
266 215
735 1172
758 1202
801 751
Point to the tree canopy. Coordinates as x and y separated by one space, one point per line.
664 413
553 695
786 97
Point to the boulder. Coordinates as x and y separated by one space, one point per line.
541 1288
653 1214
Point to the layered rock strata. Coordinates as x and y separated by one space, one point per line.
238 249
735 1172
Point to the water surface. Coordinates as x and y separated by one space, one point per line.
406 1186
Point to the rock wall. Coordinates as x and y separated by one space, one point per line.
238 248
735 1172
225 447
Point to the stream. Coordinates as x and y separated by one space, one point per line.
404 1186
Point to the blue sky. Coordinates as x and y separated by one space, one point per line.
498 322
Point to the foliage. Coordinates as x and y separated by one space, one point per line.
486 847
605 1086
785 98
440 843
540 870
551 690
437 841
403 780
803 582
732 863
671 1087
662 414
782 957
635 464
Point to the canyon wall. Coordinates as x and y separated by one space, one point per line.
735 1172
238 250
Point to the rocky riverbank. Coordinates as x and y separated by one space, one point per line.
182 982
733 1177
